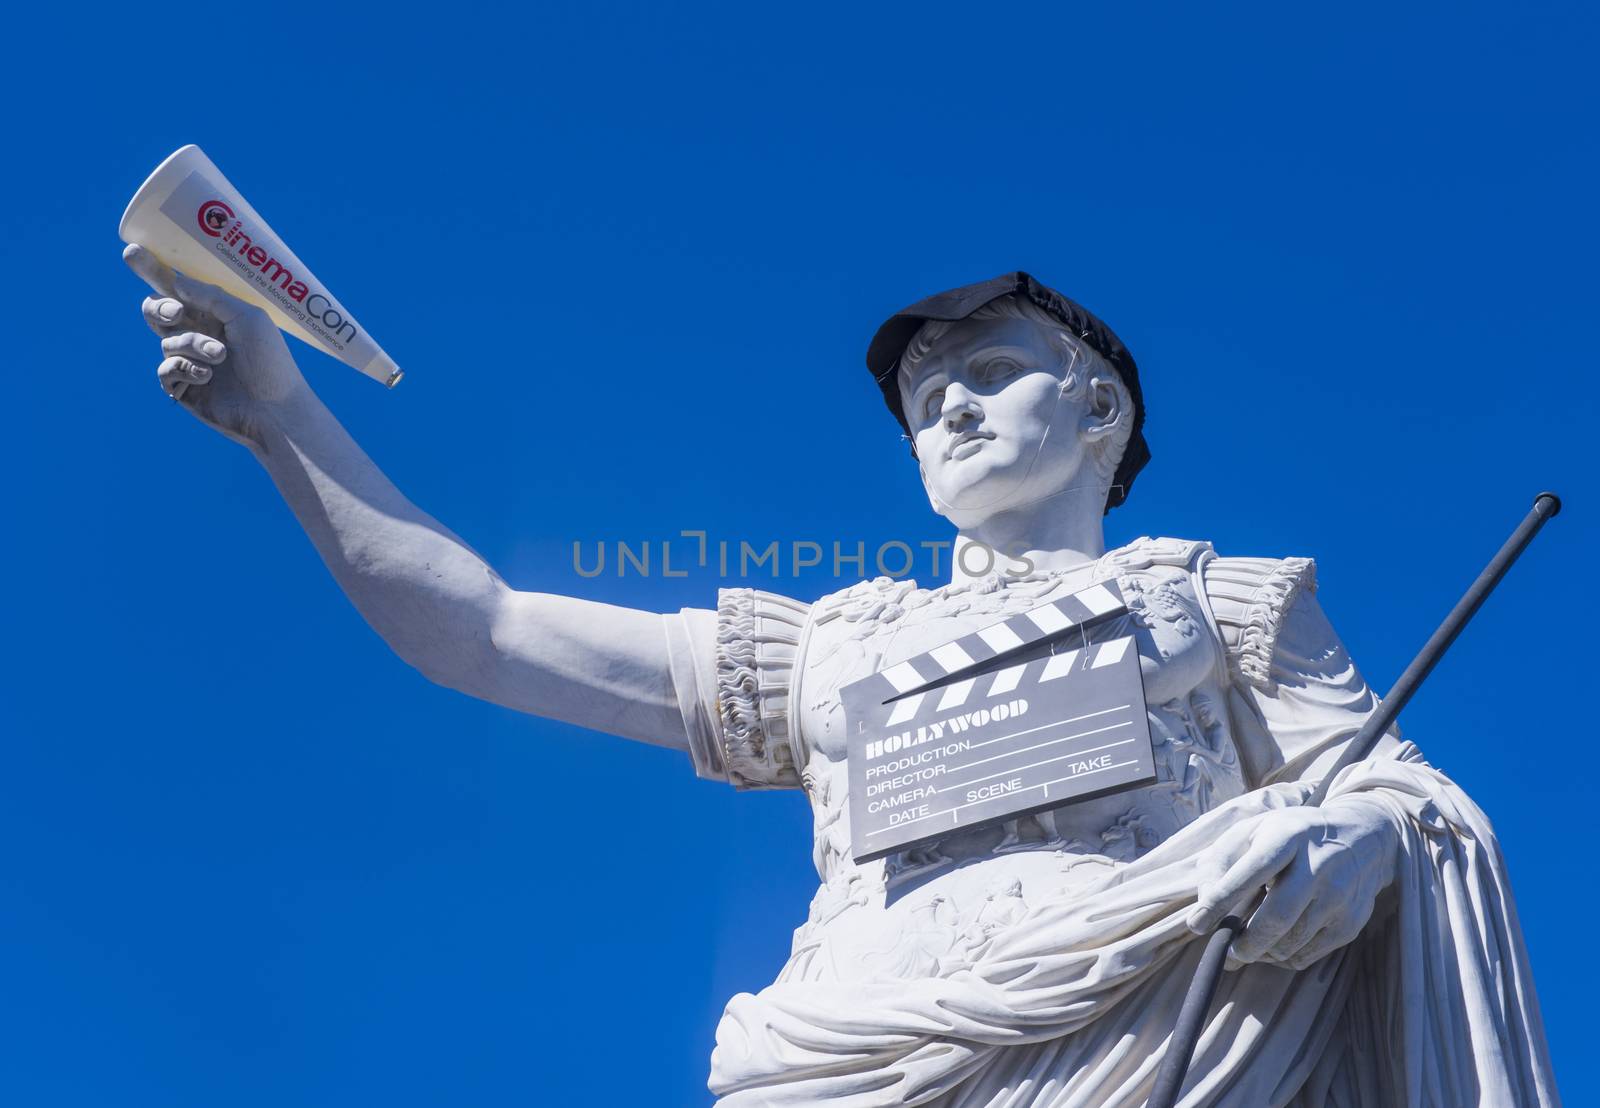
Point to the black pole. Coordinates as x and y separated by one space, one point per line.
1208 974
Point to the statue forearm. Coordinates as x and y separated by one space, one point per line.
418 585
446 612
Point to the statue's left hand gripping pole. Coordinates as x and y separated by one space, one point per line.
1208 973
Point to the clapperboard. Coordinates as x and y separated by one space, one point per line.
1029 713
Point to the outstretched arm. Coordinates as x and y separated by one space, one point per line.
432 598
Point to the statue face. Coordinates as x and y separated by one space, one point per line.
993 428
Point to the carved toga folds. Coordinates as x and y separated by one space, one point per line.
1041 964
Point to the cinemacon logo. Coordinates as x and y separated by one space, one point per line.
217 220
214 216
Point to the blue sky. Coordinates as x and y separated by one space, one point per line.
255 860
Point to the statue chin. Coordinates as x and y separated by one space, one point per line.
971 507
967 493
998 478
971 503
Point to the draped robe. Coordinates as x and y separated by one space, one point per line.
1041 963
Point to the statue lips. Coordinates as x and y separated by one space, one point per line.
966 445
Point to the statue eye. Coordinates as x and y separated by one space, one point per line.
996 369
932 403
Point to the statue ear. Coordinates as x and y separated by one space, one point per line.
1109 405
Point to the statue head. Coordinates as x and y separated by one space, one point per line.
1012 396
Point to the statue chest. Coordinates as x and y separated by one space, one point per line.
878 624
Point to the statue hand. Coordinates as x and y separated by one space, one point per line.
1322 869
225 360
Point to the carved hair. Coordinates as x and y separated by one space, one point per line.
1081 365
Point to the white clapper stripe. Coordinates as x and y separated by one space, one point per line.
1048 618
1000 638
950 656
1110 653
1059 665
956 695
1098 599
905 709
903 677
1007 679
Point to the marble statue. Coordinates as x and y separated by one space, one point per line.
1038 964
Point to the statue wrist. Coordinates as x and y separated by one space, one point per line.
288 417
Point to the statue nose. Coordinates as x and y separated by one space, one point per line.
960 407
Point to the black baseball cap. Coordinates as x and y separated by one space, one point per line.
887 346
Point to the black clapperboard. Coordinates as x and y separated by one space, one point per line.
1035 711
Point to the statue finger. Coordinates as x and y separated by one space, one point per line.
1260 864
1232 843
1331 938
211 299
1281 913
1220 856
195 346
174 285
175 372
1340 933
163 313
1294 940
152 270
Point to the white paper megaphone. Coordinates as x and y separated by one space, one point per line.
189 216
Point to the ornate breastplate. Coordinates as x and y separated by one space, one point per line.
880 623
